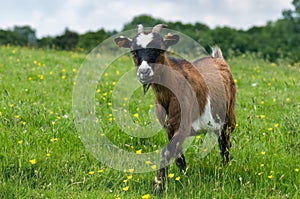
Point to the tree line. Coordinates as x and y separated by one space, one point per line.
275 40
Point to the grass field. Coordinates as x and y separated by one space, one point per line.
41 155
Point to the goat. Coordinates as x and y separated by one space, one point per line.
207 80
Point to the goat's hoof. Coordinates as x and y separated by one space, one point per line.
158 185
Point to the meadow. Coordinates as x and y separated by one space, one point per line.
42 156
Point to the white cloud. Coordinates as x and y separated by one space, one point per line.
52 17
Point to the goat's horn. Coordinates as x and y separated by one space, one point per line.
140 28
158 27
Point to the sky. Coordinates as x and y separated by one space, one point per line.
51 17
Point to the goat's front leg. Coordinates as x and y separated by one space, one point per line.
180 162
172 150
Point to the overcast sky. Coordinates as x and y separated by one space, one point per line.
51 17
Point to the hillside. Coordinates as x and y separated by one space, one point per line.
42 156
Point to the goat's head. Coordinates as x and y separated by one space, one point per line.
148 50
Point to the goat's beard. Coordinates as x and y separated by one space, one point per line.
146 88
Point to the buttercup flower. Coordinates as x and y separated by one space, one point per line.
32 161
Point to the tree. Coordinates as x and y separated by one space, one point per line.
20 35
90 40
26 35
67 41
291 29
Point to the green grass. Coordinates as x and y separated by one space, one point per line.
41 155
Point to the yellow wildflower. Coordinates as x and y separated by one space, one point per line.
125 188
92 172
32 161
139 151
146 196
148 162
171 175
262 116
54 139
270 176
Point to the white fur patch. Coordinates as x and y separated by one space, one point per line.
206 122
143 40
157 181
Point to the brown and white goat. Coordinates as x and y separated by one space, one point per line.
207 80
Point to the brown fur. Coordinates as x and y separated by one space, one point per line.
209 76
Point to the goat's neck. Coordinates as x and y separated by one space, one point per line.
162 92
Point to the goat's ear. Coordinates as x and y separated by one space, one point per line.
123 42
171 40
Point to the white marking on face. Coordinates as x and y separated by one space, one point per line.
144 66
143 40
206 122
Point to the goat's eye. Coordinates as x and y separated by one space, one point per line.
133 53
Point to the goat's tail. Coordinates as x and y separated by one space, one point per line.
216 52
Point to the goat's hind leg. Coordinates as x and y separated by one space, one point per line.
224 144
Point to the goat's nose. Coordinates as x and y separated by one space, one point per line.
144 71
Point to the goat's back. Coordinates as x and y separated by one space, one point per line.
218 78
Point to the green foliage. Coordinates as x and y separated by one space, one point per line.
20 35
90 40
41 155
67 41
